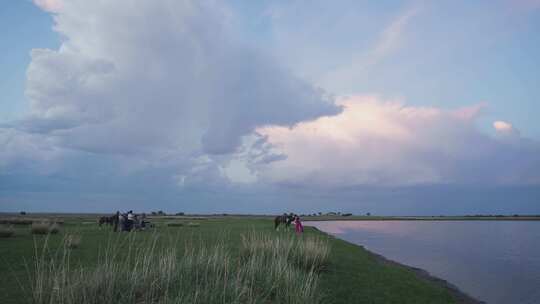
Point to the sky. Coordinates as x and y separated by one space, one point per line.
387 107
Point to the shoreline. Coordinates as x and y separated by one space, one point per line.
460 296
418 218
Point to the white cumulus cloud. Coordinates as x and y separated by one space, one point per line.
378 142
503 126
157 78
136 74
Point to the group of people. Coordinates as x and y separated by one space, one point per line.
287 220
129 221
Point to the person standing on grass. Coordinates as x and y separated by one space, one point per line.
116 220
137 222
298 225
143 221
130 219
125 223
122 222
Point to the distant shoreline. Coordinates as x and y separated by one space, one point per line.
459 295
336 217
420 218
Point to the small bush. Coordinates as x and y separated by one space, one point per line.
16 221
175 224
72 241
40 228
28 220
44 228
6 231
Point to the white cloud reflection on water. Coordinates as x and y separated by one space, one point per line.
342 227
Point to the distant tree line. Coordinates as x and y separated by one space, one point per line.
331 213
159 212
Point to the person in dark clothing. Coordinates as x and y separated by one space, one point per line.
130 220
290 219
123 222
115 220
143 221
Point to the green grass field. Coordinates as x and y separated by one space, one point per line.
351 274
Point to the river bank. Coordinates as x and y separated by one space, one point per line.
460 296
457 295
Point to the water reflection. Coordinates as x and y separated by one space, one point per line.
495 261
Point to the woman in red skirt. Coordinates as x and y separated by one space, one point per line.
298 225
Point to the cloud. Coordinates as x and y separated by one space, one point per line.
138 76
52 6
503 126
26 152
506 132
389 40
386 143
159 102
153 95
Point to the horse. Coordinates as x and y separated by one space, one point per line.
285 219
109 220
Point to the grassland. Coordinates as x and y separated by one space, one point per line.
349 274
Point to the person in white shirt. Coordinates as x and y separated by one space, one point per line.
130 219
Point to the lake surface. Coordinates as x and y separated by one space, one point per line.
493 261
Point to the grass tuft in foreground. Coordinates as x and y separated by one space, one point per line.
308 252
272 268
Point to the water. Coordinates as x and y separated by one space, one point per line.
494 261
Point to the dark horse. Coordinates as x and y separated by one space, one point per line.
109 220
285 219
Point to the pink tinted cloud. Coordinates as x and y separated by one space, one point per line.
503 126
52 6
